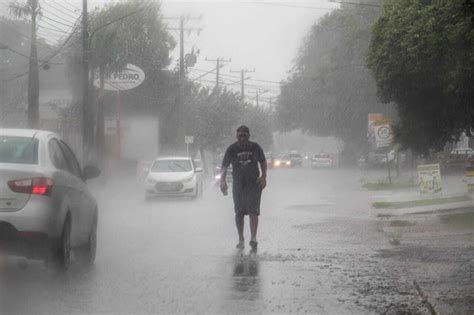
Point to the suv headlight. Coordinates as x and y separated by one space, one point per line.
151 181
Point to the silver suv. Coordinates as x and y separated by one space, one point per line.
46 210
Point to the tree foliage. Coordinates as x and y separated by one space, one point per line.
422 56
126 32
330 91
214 117
14 63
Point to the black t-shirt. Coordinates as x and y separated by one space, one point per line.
244 160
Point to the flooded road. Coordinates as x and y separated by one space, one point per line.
321 250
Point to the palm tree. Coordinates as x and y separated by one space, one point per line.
31 9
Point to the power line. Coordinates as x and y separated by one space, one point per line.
57 51
53 20
57 16
76 9
235 76
23 35
68 12
364 4
218 66
290 5
242 84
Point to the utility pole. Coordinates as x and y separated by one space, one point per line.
242 83
218 66
181 48
87 129
180 104
33 73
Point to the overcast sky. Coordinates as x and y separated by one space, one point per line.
254 34
260 35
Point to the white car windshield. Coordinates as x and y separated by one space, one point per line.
171 166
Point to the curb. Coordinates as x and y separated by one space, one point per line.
428 209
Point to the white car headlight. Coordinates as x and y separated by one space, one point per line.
151 181
218 176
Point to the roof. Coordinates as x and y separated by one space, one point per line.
24 132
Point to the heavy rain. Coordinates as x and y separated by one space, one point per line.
236 157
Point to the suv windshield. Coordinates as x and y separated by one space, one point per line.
20 150
172 166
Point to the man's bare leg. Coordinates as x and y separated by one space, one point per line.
239 223
253 227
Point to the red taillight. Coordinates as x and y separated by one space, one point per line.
36 186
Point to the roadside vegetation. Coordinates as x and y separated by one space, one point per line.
418 203
389 186
422 56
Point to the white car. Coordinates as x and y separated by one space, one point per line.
174 176
322 160
46 210
463 151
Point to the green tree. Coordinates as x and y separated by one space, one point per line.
14 62
214 116
31 9
422 56
121 33
331 91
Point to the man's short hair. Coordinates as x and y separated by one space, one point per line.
243 128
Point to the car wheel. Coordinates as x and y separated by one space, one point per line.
61 254
88 252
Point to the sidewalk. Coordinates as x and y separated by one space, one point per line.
453 186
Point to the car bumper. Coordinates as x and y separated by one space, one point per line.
321 165
39 215
30 231
187 190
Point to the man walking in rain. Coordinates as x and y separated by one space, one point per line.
248 183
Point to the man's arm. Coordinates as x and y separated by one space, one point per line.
263 166
262 180
223 171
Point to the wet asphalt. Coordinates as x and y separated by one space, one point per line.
319 253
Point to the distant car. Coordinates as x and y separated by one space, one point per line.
463 151
296 159
323 160
283 161
270 159
46 209
173 177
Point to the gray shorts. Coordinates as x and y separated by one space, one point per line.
247 195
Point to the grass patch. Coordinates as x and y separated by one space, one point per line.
418 203
400 223
382 215
459 220
388 186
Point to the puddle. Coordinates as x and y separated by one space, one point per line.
458 220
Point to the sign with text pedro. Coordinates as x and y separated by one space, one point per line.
128 78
